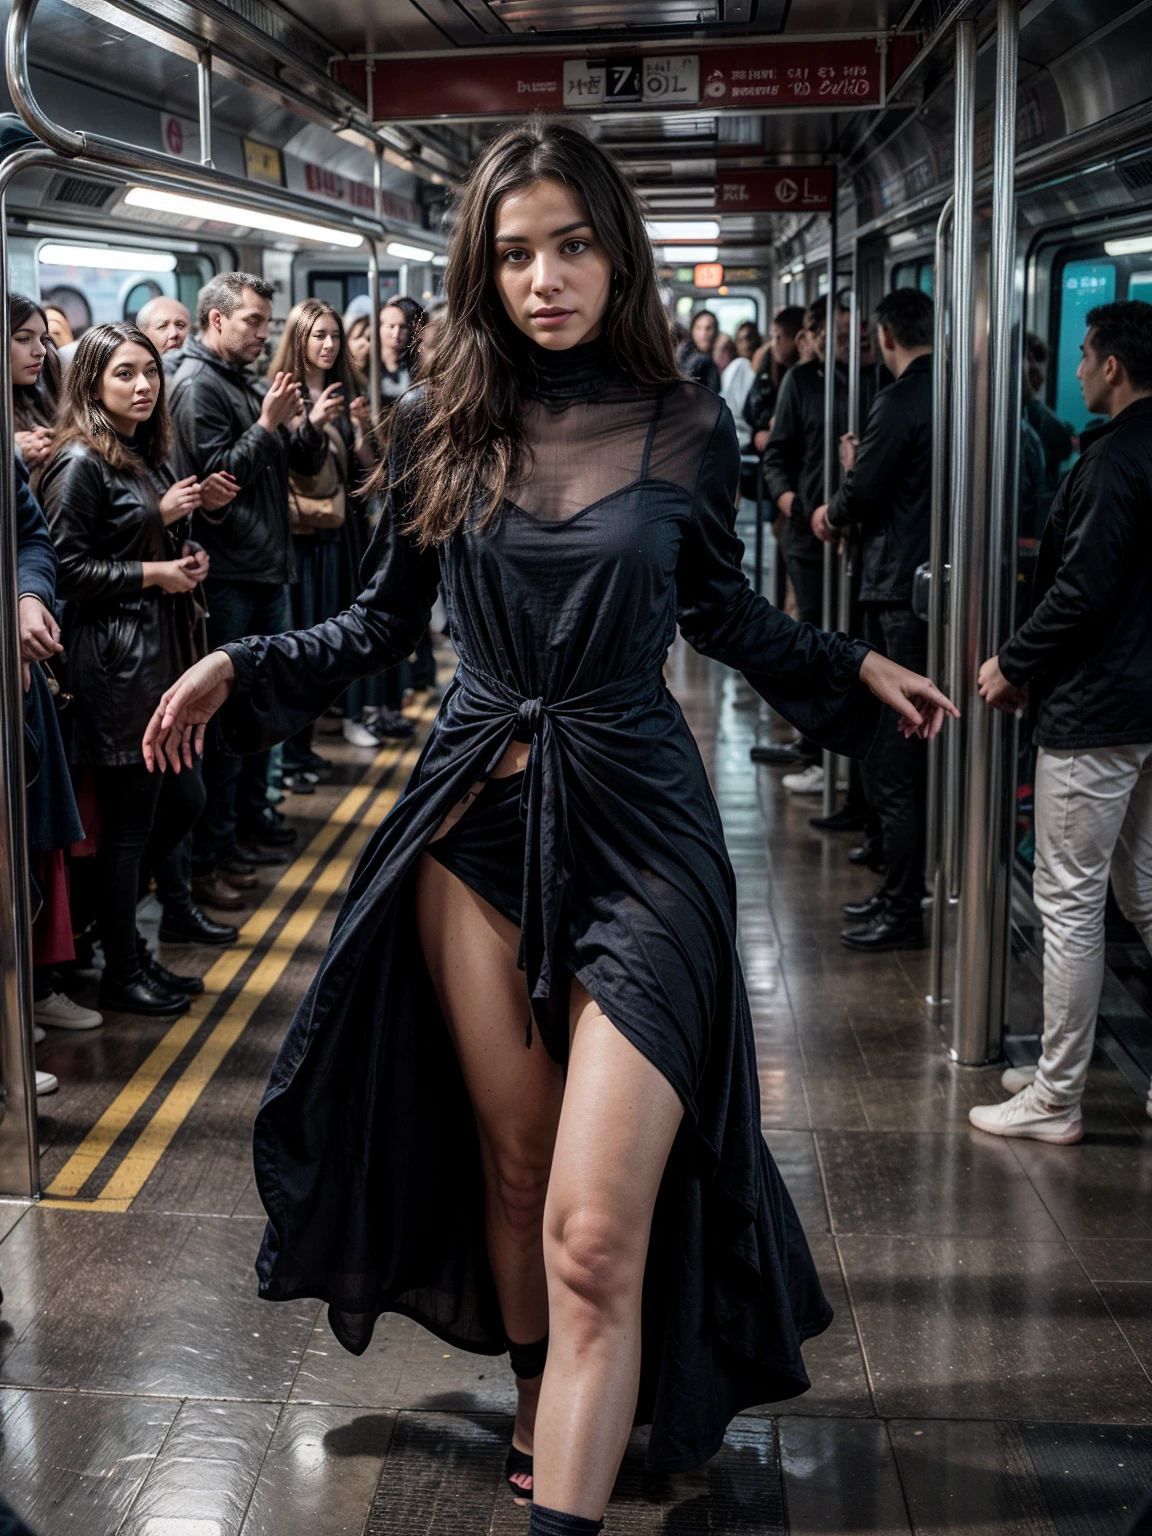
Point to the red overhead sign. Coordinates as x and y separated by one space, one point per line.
753 76
783 190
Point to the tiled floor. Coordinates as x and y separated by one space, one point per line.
993 1299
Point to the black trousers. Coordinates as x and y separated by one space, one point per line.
807 578
182 800
896 770
127 798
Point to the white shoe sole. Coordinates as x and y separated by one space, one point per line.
1065 1138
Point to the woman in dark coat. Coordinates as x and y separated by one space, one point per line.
543 930
118 522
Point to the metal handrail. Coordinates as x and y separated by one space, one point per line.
828 594
959 11
938 567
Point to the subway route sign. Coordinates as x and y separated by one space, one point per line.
751 77
784 189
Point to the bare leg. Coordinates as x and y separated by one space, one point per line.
619 1120
516 1092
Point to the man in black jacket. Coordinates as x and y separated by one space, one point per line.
225 419
794 479
885 497
1085 657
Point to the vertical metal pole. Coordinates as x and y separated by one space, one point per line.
981 943
204 94
828 615
847 558
19 1146
759 528
962 421
374 330
938 565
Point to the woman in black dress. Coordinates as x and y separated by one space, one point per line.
543 930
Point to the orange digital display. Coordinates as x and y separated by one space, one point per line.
708 274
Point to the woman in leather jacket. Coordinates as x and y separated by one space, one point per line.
119 521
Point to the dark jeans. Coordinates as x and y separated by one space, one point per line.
181 803
237 786
896 770
127 798
807 578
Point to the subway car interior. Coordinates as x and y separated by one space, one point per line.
988 1371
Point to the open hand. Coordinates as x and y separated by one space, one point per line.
822 528
35 445
917 700
997 691
281 402
176 729
361 413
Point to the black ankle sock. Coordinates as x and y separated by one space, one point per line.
551 1522
527 1360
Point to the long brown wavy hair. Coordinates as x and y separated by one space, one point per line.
469 441
292 353
35 404
83 417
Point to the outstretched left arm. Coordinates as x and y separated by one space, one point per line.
827 685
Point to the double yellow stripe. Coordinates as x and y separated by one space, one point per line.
141 1159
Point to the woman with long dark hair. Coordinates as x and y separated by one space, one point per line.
35 382
118 519
400 324
519 1102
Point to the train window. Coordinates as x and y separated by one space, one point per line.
340 288
1083 285
1140 286
136 298
915 274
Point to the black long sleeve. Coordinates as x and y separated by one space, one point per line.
810 677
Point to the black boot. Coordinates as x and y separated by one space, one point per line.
160 974
192 926
844 820
269 830
871 855
140 993
886 932
782 755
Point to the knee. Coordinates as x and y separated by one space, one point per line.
593 1259
520 1187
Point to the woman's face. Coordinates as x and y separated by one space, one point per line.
553 276
28 350
58 328
323 343
129 386
805 346
359 345
783 347
395 332
704 333
746 341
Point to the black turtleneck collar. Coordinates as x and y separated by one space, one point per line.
555 376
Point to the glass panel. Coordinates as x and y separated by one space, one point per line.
1140 286
928 278
329 290
1083 285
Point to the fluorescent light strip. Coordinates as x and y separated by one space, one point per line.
408 252
683 229
692 253
247 218
1136 245
110 258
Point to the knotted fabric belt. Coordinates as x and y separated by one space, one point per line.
544 800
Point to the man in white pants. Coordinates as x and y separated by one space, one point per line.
1086 657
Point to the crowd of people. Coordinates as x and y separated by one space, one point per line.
173 497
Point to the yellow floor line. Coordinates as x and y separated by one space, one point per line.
139 1162
150 1073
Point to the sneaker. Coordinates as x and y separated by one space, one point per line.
357 735
300 783
39 1035
809 782
1025 1115
390 725
46 1082
1016 1078
62 1013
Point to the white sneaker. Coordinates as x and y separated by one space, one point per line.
46 1082
39 1035
61 1012
357 735
1016 1078
1025 1115
809 782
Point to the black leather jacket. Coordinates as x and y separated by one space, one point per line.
125 644
1086 652
887 496
794 457
215 412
